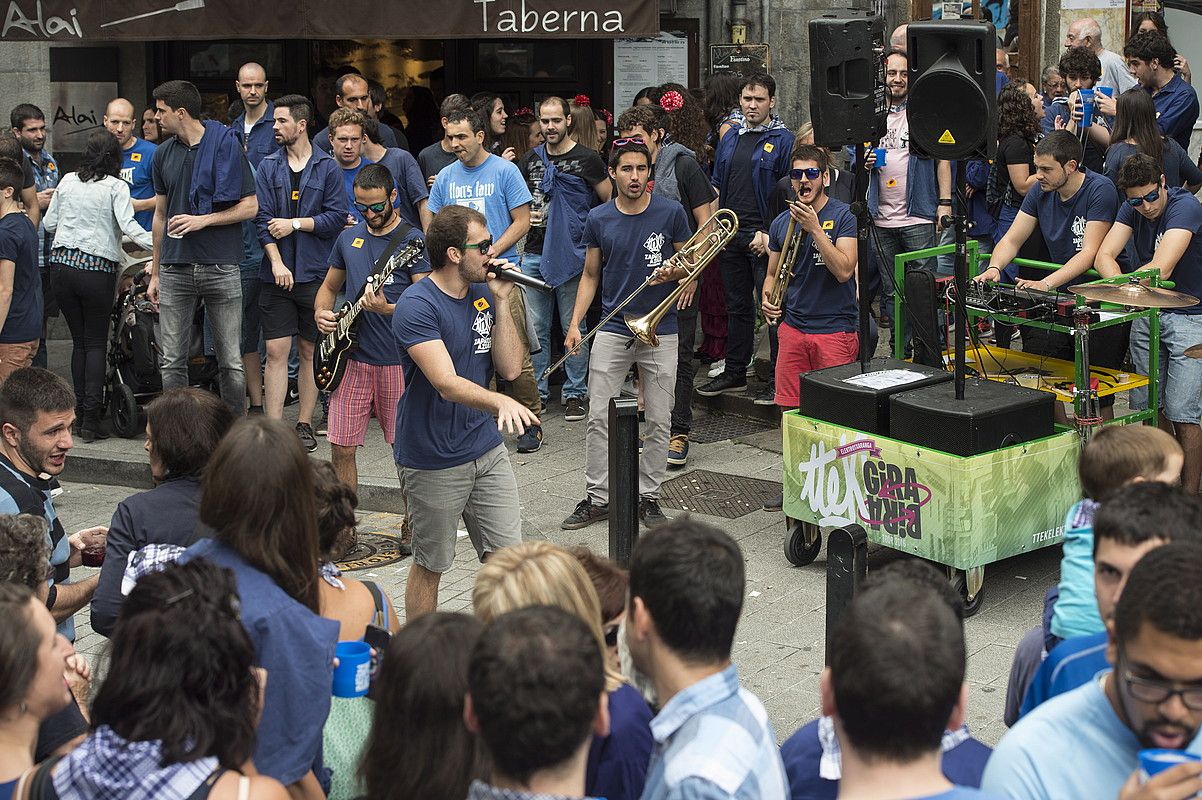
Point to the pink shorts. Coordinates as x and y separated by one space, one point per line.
798 353
364 388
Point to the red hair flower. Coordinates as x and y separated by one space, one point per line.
524 111
671 101
609 118
582 100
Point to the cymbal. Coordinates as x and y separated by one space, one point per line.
1134 294
1194 352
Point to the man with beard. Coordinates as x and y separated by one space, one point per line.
1085 744
37 409
374 380
454 330
302 208
634 236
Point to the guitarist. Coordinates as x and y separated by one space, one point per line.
373 378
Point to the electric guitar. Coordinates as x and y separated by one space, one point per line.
333 352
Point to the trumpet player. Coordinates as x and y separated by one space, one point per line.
817 316
628 240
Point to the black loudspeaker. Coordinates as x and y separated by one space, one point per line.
991 416
847 79
952 105
845 396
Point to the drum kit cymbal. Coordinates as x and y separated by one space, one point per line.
1138 294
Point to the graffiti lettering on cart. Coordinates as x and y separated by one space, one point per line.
895 499
830 484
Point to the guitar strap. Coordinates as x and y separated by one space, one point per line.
402 230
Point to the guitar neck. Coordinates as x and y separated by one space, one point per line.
396 261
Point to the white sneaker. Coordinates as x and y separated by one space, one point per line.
717 368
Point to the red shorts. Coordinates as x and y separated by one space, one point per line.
798 353
364 388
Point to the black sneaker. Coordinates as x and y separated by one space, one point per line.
766 397
293 395
776 503
722 384
304 432
575 409
585 514
531 440
649 512
322 426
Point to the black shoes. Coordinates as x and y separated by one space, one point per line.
585 514
650 513
722 384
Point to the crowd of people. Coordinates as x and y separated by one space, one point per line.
220 591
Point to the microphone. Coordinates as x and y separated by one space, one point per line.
520 278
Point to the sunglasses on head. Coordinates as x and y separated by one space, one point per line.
484 245
1150 197
629 140
809 172
375 208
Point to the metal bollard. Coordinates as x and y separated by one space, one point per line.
846 567
623 478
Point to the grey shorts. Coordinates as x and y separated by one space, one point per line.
483 492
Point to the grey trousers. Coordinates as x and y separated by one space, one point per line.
608 366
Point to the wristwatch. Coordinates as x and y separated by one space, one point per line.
296 224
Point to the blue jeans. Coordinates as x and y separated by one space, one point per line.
1180 377
220 287
539 306
890 242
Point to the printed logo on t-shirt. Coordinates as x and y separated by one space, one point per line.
357 242
1078 232
471 195
127 174
482 327
654 246
1159 236
135 156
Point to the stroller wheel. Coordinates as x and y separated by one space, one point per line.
128 419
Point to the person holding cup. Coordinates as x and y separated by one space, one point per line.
1081 70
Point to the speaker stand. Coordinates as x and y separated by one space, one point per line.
859 207
959 219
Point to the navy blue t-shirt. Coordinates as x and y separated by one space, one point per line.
356 252
19 244
410 185
1176 109
1181 212
632 247
1063 222
617 763
433 433
817 302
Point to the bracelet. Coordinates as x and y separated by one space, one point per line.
945 202
52 596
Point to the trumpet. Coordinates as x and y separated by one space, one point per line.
794 236
696 254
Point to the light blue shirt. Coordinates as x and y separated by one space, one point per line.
494 188
1073 746
1076 611
713 741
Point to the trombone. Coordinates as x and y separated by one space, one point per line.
696 254
794 236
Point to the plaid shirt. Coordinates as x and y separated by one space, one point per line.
714 742
479 790
107 767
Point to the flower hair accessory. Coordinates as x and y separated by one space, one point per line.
582 100
609 118
671 101
524 111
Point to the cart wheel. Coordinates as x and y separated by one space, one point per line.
960 584
128 419
803 542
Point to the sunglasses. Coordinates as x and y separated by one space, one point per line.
809 172
484 245
375 208
1150 197
629 140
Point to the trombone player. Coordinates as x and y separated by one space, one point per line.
809 292
629 240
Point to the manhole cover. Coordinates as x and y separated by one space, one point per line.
720 427
716 494
372 550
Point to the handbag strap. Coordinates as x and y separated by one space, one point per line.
380 619
398 235
37 781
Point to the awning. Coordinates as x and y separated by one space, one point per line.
146 20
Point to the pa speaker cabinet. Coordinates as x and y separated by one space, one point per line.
844 396
952 100
991 416
847 79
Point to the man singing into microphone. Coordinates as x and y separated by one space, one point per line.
454 329
629 239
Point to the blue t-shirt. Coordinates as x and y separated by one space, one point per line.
1076 611
356 251
348 180
617 764
1073 747
1182 211
1063 221
817 302
135 170
410 185
1072 663
802 753
494 189
632 247
19 244
1176 109
433 433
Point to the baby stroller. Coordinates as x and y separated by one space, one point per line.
132 377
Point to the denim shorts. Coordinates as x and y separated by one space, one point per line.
1180 377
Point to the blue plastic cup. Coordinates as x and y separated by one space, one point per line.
352 676
879 152
1086 107
1155 761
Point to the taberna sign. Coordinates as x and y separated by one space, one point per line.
143 20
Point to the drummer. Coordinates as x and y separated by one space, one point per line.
1163 225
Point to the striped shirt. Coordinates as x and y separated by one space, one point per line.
713 741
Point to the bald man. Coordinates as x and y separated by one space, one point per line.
254 125
897 39
120 118
352 91
1086 32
